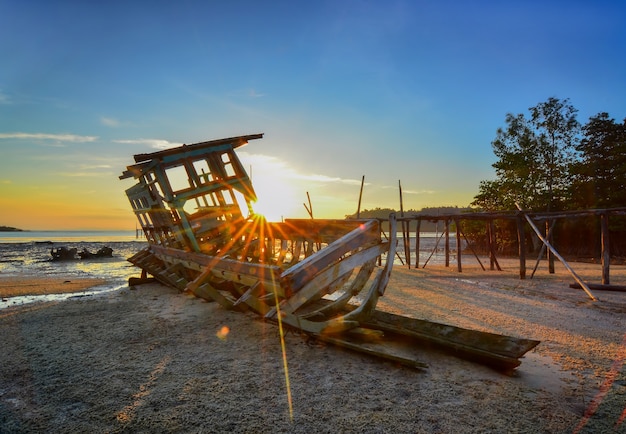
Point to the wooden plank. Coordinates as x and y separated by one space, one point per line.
495 350
379 351
326 277
319 231
209 293
264 272
211 145
298 275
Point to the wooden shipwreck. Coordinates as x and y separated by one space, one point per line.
195 204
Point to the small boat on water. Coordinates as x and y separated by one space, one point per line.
195 205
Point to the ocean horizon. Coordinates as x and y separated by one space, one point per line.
60 236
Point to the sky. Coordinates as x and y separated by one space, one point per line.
406 92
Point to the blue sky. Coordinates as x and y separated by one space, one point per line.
394 90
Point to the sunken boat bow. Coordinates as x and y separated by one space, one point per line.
324 277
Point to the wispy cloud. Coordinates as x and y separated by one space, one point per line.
6 181
43 136
281 167
324 179
110 122
95 166
153 143
409 191
254 94
84 174
4 98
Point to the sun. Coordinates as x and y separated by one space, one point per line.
274 187
275 198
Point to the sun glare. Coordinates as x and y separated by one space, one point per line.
276 197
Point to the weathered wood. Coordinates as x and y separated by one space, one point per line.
190 202
320 282
459 267
606 248
405 230
379 351
298 275
550 238
417 243
498 351
472 249
358 209
521 241
542 251
447 241
563 261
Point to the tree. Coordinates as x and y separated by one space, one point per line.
534 157
599 175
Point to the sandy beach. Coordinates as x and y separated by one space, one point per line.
151 359
13 286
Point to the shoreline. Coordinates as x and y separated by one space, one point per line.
30 285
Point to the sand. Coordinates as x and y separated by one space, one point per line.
152 359
12 286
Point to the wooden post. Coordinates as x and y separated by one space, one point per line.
358 210
550 238
417 243
606 251
447 244
405 231
458 245
521 241
309 209
491 229
543 250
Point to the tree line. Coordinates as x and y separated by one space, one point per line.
549 161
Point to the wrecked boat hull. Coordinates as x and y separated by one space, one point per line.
323 277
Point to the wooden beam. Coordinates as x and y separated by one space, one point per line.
560 258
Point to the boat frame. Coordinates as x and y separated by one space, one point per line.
195 205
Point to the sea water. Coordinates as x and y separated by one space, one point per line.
28 253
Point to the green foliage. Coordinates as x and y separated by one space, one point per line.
599 176
548 162
534 156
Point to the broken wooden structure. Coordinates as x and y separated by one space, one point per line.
195 204
410 256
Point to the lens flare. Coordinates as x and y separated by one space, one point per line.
223 333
